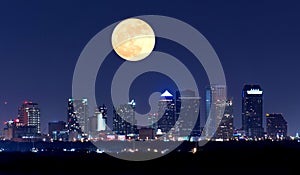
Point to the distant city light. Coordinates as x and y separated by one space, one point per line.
132 102
194 150
254 91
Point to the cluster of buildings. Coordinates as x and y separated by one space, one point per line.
252 116
177 118
26 125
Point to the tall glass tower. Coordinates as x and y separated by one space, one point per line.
215 99
252 111
187 114
225 129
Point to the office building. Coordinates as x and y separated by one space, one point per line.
124 122
276 126
187 114
77 116
29 115
225 130
166 113
152 120
215 101
252 111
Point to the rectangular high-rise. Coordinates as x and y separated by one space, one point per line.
225 129
252 111
166 112
124 122
77 115
215 99
187 114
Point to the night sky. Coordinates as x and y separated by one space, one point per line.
40 41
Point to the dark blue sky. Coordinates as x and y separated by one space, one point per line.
40 42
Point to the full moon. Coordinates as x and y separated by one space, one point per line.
133 39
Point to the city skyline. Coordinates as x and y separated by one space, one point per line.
255 41
79 121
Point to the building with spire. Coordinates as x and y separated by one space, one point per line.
166 113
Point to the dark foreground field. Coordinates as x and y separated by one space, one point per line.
213 158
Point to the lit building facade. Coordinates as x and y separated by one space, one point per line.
276 126
252 111
166 112
14 130
152 120
124 122
77 116
187 114
29 115
215 101
225 130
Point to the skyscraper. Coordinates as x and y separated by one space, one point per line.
29 115
225 129
124 122
77 116
187 114
276 126
252 110
215 99
166 112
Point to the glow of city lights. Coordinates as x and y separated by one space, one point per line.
194 150
254 91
